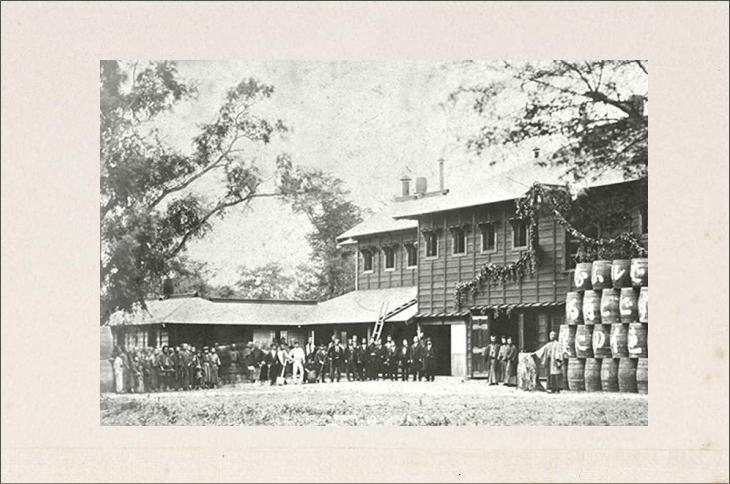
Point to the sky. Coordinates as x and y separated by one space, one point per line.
367 123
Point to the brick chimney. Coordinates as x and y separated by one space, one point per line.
421 185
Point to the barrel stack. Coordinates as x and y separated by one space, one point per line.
605 337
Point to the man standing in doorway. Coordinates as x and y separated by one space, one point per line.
511 358
502 360
492 360
429 360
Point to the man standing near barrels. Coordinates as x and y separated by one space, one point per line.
552 357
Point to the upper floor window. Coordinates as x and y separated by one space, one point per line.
432 244
411 255
389 258
519 234
571 251
458 237
367 260
489 237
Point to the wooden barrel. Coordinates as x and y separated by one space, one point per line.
602 341
610 306
582 276
637 340
628 305
574 308
619 341
592 375
640 272
564 379
643 305
592 307
627 375
584 341
609 375
567 339
621 273
601 274
642 375
576 374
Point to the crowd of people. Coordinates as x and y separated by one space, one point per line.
186 368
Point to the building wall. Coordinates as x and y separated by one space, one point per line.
379 277
438 276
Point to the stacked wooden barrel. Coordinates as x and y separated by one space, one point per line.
605 337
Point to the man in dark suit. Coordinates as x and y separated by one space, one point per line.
428 357
361 359
403 357
351 360
415 361
336 356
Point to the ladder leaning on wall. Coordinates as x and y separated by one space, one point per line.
378 330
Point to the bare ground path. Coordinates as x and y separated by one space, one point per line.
448 401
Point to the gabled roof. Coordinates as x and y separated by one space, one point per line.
382 221
198 310
364 306
498 187
353 307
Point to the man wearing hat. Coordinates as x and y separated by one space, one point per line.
415 362
428 356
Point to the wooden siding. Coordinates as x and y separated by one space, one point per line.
379 277
438 276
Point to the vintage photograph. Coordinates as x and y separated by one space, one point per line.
362 243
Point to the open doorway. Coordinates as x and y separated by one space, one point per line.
441 339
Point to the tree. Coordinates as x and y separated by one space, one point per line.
323 199
594 111
265 282
149 210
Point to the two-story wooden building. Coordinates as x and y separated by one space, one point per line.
434 240
410 257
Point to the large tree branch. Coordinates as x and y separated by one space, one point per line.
216 210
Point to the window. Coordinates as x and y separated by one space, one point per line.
367 260
432 244
644 220
519 234
571 251
458 236
411 255
389 258
489 237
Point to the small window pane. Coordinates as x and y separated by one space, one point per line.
489 238
459 238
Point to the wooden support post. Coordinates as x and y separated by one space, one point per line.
521 331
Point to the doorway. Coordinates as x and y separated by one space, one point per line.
441 338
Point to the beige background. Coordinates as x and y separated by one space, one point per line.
50 190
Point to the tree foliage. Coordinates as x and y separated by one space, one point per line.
148 210
324 200
593 110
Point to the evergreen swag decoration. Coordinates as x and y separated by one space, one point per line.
552 200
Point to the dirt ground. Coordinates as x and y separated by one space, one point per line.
447 401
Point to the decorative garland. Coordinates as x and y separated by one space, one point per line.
553 200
